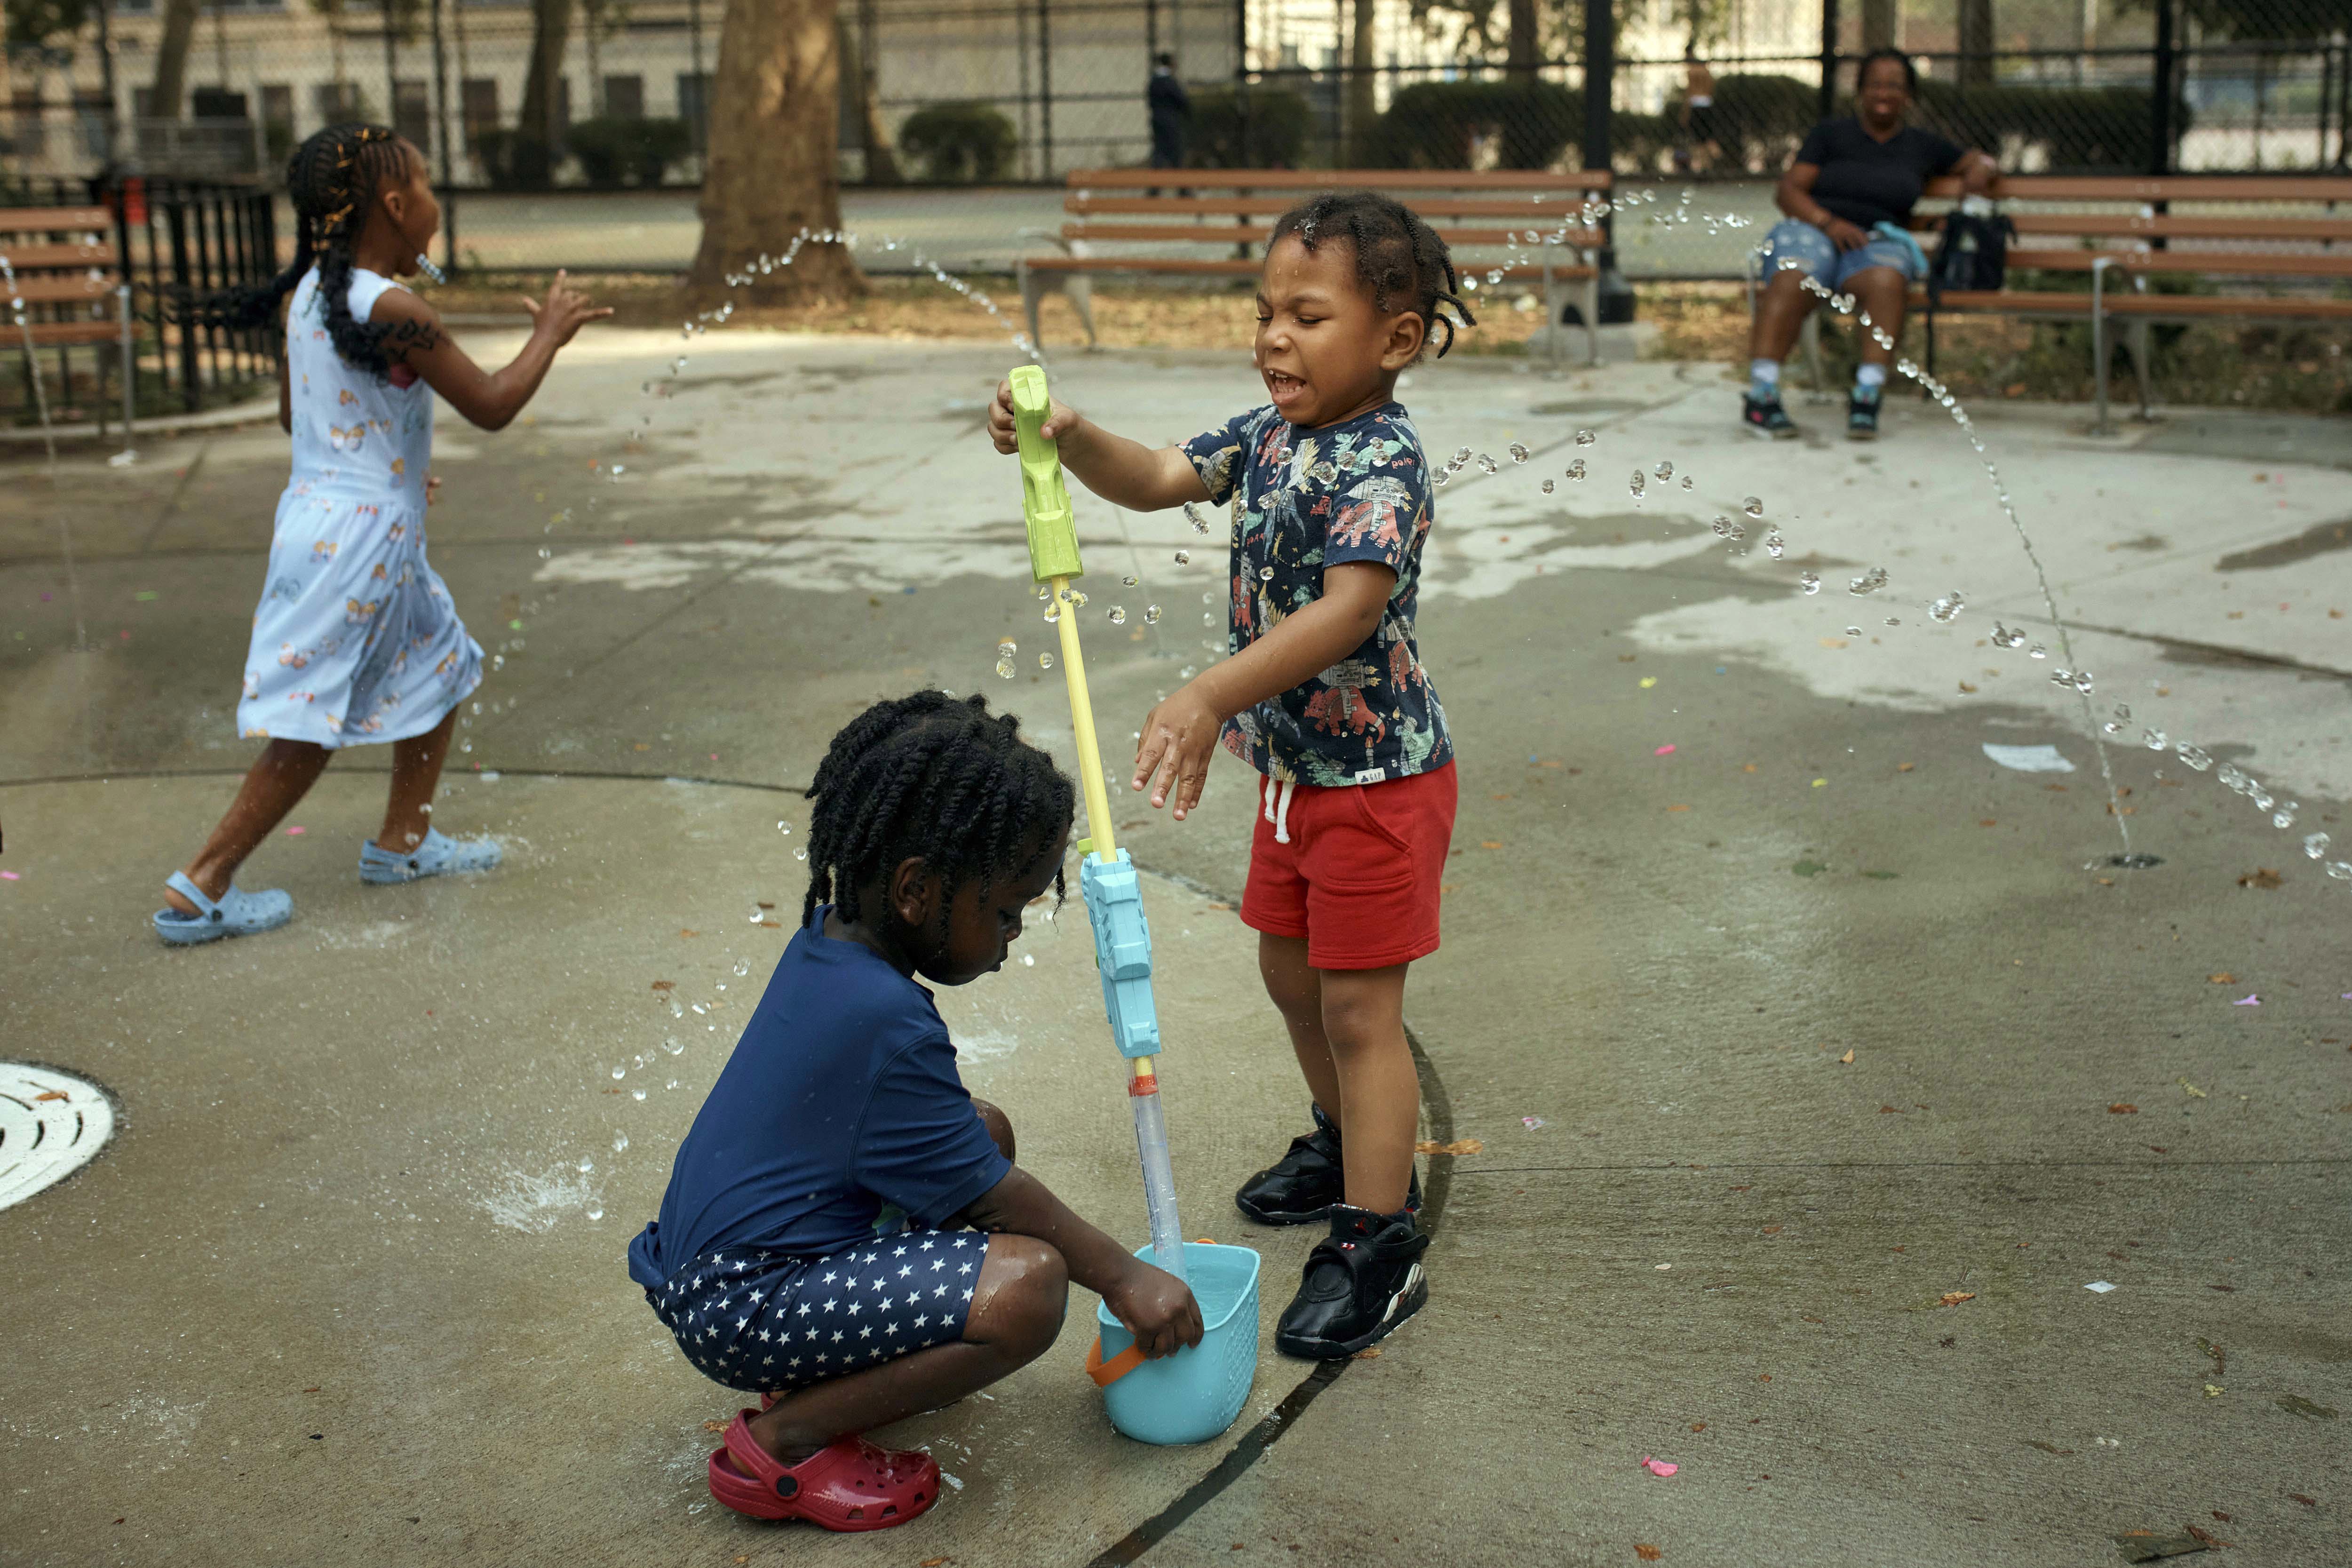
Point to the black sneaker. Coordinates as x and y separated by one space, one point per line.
1361 1281
1861 418
1301 1187
1765 418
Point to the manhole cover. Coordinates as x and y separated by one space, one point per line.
51 1125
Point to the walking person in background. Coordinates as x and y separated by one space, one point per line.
1697 116
1171 114
1849 195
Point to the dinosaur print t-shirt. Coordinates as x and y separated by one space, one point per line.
1303 500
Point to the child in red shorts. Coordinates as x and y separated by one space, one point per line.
1326 697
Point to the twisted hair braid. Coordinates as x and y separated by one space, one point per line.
932 776
1399 258
332 179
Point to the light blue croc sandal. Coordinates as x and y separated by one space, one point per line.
438 855
239 912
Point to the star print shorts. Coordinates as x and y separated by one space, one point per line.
772 1322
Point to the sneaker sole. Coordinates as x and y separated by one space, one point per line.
1278 1217
1861 435
1763 434
1401 1306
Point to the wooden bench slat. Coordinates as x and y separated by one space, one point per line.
2010 302
2147 188
41 220
2323 229
2212 263
35 258
1207 233
1238 206
53 290
54 334
1338 179
1232 267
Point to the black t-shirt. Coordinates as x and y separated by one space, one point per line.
1866 181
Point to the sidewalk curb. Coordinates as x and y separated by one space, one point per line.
168 424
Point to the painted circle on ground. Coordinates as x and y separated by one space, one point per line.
51 1125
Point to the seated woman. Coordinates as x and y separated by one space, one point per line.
1849 196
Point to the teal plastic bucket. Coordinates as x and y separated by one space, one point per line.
1193 1395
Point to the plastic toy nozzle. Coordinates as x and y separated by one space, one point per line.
1045 499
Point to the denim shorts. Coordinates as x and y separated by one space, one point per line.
1817 255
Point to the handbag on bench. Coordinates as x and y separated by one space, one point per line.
1972 256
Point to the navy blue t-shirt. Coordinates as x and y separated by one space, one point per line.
1868 181
839 1116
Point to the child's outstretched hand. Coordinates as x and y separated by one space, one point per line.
565 311
1156 1308
1180 736
1059 417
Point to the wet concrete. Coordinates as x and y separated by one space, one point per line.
344 1199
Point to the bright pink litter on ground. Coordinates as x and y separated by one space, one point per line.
1658 1467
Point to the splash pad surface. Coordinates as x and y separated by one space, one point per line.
407 1192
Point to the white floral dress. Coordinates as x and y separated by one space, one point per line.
356 639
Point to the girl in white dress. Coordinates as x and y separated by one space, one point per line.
356 640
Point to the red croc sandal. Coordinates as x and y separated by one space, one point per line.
849 1484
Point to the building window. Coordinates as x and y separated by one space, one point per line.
624 96
479 96
411 111
336 102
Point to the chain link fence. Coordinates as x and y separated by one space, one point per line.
573 130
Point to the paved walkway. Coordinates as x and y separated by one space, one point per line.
1817 1059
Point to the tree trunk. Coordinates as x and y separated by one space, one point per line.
1975 43
773 170
1881 19
537 133
858 70
1526 49
1364 84
170 86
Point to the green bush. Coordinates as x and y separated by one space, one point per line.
961 143
611 149
1436 124
1280 120
2072 130
495 146
1759 120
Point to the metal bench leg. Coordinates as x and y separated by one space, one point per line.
2100 425
2138 343
1032 290
1810 336
1081 290
130 365
1590 305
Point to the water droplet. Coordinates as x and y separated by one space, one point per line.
1184 558
1548 487
620 1141
1461 455
1586 437
1192 515
1639 483
1028 960
596 1213
2284 816
742 966
2037 651
1208 617
621 1072
1894 621
1053 614
587 1167
1810 581
800 854
1044 661
783 827
2316 844
673 1045
2196 757
1665 471
2340 870
1753 506
1128 579
1948 608
1519 454
636 1094
1005 668
545 553
1076 598
671 1084
1486 465
1151 614
1265 573
1774 545
1854 631
1440 478
1118 615
1727 529
1686 481
1006 648
1870 581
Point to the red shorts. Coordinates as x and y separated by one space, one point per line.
1359 876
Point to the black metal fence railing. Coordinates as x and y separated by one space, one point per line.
179 241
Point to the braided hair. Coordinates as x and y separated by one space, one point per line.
333 179
932 777
1399 258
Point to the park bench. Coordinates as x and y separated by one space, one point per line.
2239 233
1202 223
68 289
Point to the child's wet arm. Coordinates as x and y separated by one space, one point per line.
1308 641
1021 1205
1127 473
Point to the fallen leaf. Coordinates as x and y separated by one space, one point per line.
2225 1289
49 1094
2295 1405
2209 1538
1833 642
2106 881
773 925
1846 1060
1459 1146
2224 978
2123 1109
2305 1502
1490 844
665 984
1698 1425
2222 1517
1771 1230
934 1562
2161 1148
312 1389
1809 1318
1372 1353
714 1426
1646 1552
1965 687
1747 767
683 932
766 904
1678 808
2014 389
1987 822
2260 877
1888 1110
1905 767
1954 1297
